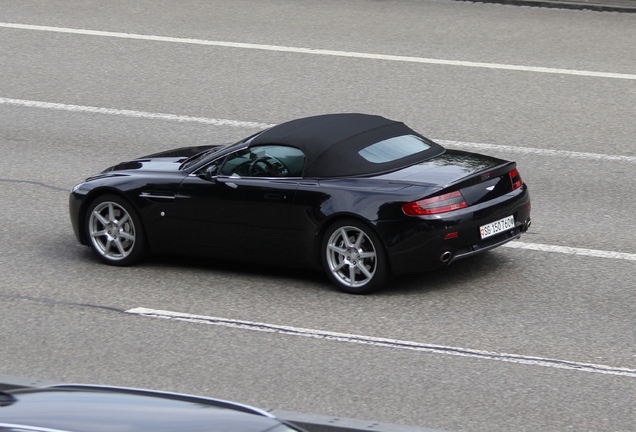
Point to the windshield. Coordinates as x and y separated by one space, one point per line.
205 154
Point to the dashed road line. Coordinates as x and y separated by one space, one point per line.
259 125
536 151
322 52
572 250
131 113
387 343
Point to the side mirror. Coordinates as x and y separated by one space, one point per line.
211 172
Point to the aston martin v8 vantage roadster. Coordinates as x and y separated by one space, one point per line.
360 196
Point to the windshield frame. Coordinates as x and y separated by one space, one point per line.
200 159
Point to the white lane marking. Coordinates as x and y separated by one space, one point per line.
247 124
387 343
572 250
536 151
130 113
299 50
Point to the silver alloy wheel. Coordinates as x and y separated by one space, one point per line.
112 231
351 256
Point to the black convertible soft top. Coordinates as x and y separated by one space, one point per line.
332 142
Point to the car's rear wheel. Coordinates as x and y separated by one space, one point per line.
353 257
114 231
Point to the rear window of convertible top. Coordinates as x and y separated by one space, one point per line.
394 148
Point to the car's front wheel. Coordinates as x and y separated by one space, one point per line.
114 231
353 257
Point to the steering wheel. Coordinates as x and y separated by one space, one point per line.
260 167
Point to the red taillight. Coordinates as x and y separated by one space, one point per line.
515 177
439 204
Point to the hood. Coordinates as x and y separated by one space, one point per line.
169 160
97 410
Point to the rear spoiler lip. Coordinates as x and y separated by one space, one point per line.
482 176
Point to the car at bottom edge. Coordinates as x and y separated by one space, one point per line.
91 408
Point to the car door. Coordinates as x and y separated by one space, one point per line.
238 206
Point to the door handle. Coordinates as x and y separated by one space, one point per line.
274 196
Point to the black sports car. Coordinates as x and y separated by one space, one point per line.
361 196
86 408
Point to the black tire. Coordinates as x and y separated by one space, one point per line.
114 231
353 257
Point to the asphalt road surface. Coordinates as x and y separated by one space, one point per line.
538 336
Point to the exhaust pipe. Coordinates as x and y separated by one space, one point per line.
526 225
445 256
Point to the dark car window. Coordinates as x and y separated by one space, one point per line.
264 161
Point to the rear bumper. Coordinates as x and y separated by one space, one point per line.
435 241
489 243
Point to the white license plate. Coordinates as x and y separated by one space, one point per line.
496 227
